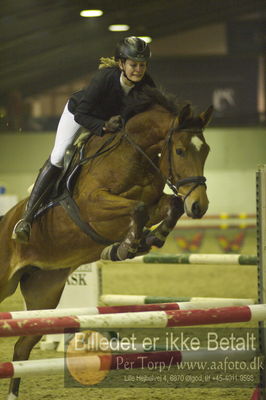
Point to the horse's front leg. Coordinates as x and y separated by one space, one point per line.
129 246
168 210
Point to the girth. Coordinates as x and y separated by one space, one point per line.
72 210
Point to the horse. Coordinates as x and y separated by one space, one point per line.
120 195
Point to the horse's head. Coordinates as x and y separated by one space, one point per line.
184 157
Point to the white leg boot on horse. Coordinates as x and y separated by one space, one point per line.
39 194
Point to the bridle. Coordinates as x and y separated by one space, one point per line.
197 180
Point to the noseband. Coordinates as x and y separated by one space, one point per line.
197 180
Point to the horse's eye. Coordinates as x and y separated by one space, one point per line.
180 152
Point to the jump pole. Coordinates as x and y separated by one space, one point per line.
208 259
149 319
120 299
95 363
67 312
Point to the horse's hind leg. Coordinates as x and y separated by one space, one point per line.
41 290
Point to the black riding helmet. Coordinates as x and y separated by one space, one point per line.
133 48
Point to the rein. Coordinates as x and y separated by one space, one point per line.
128 138
198 180
166 180
100 151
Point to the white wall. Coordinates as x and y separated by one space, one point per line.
21 156
230 168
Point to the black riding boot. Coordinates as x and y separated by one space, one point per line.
40 192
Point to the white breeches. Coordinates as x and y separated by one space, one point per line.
66 130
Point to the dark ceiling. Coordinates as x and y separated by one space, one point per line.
45 43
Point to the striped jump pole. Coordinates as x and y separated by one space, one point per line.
95 363
256 394
66 312
120 300
149 319
221 259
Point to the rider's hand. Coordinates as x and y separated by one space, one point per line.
114 124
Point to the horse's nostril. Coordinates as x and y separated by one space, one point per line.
196 210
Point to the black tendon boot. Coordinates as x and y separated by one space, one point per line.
40 192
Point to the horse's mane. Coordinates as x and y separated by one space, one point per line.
147 97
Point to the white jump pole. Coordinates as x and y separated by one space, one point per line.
131 320
68 312
123 300
20 369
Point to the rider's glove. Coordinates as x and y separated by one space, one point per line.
114 124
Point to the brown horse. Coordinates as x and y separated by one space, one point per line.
118 193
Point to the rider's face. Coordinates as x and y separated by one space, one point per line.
134 70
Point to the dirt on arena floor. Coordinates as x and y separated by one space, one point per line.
156 279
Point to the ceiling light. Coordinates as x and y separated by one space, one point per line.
146 39
91 13
118 28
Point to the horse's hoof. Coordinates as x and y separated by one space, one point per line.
152 240
131 255
21 232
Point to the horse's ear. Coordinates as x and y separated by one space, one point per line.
206 115
184 114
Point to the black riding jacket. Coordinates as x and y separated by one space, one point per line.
102 99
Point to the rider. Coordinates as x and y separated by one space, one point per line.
95 108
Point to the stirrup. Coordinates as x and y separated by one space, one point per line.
21 232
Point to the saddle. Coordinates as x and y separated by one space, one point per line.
64 186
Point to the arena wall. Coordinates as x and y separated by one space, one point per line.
230 168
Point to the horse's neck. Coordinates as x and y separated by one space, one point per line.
149 129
